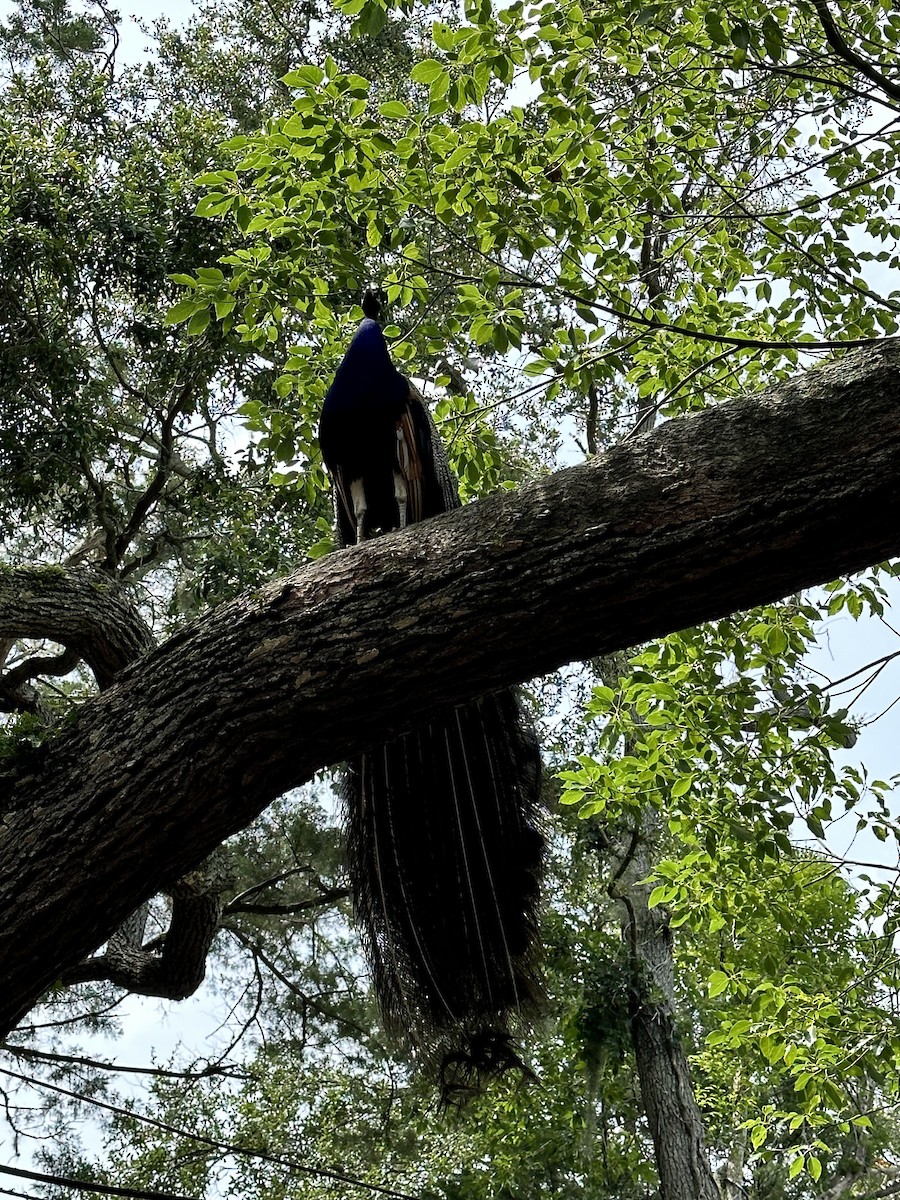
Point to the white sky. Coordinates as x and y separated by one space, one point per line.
134 43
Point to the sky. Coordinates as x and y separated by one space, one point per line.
845 646
134 42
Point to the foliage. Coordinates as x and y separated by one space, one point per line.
651 212
724 732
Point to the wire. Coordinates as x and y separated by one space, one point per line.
213 1143
83 1185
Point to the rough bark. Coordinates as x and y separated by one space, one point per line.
731 1171
673 1116
734 507
80 609
177 969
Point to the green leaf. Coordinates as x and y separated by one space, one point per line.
773 38
308 76
443 36
213 205
180 312
372 19
426 71
648 14
718 982
776 640
394 109
714 28
198 322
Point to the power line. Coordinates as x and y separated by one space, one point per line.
280 1160
83 1185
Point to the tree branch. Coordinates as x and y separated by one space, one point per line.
228 1071
285 910
78 608
734 507
848 54
39 664
178 971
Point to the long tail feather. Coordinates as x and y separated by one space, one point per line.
443 833
444 853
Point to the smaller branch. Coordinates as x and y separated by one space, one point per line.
841 860
179 969
652 410
19 1195
591 423
316 1005
266 883
100 508
89 1015
212 426
39 664
848 54
624 863
656 325
95 1064
160 478
876 662
111 358
327 898
891 1190
153 554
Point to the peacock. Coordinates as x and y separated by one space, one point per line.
443 830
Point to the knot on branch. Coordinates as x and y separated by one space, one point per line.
172 967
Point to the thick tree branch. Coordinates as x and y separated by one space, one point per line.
40 664
176 972
734 507
80 609
16 693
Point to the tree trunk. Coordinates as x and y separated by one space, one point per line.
676 1125
734 507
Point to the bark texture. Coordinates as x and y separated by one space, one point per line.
673 1116
734 507
80 609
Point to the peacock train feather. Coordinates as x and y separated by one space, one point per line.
444 843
